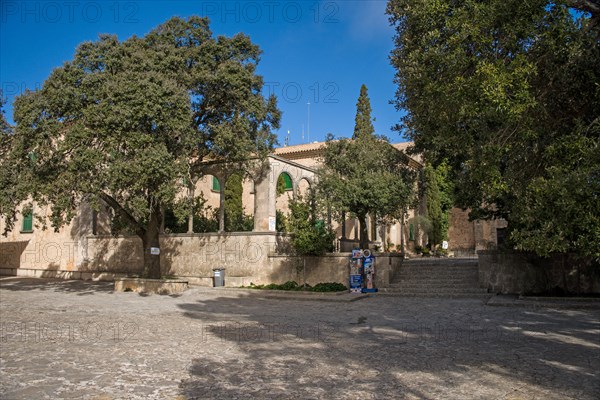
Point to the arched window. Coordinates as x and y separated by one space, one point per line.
284 183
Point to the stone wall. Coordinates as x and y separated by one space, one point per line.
247 257
524 273
333 268
461 233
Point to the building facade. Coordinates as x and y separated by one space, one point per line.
86 249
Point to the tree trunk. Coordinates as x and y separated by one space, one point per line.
191 215
150 240
364 234
304 272
222 206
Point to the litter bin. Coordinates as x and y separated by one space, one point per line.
219 279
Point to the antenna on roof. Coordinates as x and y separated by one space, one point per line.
286 141
302 133
308 104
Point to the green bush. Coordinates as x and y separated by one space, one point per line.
289 285
293 286
329 287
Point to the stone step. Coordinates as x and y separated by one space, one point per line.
441 262
433 269
449 278
434 275
444 278
441 289
433 286
436 269
445 294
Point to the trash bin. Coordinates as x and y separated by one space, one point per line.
219 279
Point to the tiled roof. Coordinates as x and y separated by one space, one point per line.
299 148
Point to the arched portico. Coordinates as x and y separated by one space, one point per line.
265 205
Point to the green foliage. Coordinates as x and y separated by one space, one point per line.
293 286
281 185
10 195
365 175
329 287
438 195
236 219
560 212
508 93
281 221
130 122
310 237
5 128
363 124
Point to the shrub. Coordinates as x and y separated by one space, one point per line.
329 287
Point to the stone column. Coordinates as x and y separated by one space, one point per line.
264 204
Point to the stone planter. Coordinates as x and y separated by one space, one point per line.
159 286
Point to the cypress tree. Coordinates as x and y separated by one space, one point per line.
363 125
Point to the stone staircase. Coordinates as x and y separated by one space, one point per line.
436 277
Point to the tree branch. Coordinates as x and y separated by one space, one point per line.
114 204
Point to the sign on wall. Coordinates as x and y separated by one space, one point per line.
272 224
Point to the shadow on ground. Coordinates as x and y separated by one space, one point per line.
429 349
78 287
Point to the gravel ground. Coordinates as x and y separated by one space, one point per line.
81 340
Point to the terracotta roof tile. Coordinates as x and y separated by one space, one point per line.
300 148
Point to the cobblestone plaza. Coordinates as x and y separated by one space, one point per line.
81 340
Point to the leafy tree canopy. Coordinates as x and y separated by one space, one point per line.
365 175
10 192
508 92
131 122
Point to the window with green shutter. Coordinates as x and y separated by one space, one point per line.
27 223
284 182
216 185
411 232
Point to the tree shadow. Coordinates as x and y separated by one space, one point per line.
10 253
78 287
258 349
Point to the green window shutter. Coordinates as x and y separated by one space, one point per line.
288 181
411 232
27 223
216 185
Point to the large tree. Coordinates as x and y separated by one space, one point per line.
365 175
8 172
131 123
508 92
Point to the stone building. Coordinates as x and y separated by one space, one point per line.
85 249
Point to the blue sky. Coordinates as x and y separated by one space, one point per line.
313 51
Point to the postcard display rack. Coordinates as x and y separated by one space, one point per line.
362 271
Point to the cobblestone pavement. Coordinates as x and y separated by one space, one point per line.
79 340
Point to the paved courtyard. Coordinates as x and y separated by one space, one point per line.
79 340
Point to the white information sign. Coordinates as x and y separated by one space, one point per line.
272 225
445 245
155 251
